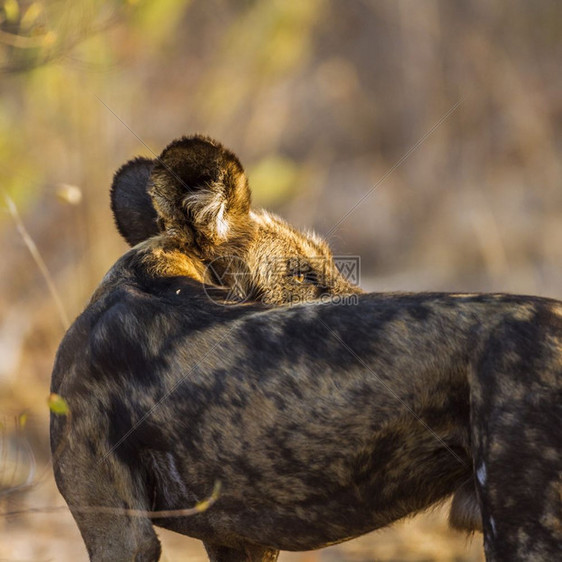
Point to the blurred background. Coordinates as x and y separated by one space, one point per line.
422 135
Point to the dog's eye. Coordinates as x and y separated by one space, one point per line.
301 272
302 278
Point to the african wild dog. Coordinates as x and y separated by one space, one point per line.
320 421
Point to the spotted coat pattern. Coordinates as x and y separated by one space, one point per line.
321 421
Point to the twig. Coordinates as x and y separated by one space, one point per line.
34 251
200 507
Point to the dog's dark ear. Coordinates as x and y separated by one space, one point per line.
200 191
131 204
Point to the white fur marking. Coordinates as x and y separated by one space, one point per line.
481 474
222 224
268 218
261 217
493 525
174 473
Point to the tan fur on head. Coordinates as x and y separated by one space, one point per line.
163 259
278 253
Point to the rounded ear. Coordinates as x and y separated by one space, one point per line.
199 190
131 204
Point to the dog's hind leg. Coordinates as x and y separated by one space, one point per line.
107 503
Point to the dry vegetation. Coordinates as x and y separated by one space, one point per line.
320 99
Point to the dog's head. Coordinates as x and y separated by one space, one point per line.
197 194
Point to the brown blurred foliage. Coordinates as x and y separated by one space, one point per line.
320 99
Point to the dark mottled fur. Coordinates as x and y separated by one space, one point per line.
321 421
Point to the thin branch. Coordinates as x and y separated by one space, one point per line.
199 507
34 251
